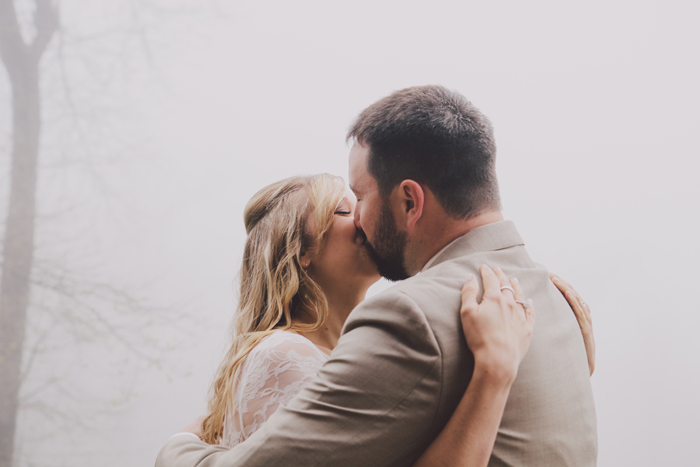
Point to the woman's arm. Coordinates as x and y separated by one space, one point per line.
498 332
583 316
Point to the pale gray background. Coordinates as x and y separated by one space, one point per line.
596 111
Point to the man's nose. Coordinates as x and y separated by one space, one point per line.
358 225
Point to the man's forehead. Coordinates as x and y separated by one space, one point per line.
357 177
357 169
361 182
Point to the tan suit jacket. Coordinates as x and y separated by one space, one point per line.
402 365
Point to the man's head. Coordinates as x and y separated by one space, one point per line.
436 140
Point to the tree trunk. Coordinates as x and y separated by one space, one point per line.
21 61
18 248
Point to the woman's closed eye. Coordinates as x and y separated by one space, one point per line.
343 212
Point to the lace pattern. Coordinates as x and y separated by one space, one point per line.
272 374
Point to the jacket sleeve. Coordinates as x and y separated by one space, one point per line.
373 403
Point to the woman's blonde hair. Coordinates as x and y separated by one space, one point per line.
283 220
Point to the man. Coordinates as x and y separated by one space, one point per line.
423 168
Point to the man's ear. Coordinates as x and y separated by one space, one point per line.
412 199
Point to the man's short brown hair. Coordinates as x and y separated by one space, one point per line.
436 137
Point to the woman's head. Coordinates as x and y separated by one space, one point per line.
284 265
284 222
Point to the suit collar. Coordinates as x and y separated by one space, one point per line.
489 237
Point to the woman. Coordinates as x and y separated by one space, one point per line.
304 269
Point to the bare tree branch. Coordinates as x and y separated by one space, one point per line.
12 46
47 23
33 352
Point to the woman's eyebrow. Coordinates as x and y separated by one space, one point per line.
344 200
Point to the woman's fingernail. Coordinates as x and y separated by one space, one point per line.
469 277
515 279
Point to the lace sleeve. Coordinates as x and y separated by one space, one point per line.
274 372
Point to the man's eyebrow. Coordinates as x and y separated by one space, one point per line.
352 188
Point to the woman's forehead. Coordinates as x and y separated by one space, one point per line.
348 197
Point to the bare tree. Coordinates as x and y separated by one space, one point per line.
21 61
84 306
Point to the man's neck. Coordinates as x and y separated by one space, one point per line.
445 231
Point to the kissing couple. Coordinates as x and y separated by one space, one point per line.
447 367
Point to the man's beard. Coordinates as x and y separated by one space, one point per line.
389 246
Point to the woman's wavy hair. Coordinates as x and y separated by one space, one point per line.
283 220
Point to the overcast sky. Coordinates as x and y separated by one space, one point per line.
596 111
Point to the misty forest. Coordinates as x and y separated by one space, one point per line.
133 132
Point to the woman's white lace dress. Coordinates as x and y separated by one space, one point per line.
274 371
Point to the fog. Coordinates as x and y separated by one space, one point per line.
170 124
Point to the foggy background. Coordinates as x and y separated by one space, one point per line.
161 119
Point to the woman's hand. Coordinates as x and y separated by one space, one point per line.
583 316
195 427
498 330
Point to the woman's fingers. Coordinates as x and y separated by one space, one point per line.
583 316
526 303
510 288
561 284
196 426
560 281
576 304
586 325
470 290
518 290
498 332
564 287
580 308
492 285
505 285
